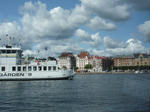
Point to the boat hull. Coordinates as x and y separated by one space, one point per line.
19 76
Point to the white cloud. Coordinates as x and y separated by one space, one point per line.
82 34
130 46
98 23
145 30
9 27
55 48
82 16
29 53
79 15
97 52
119 48
92 40
109 9
111 44
41 23
40 27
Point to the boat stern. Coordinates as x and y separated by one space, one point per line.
69 73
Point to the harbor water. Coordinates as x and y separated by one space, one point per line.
85 93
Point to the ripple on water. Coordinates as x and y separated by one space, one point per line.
90 93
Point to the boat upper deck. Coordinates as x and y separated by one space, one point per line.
26 68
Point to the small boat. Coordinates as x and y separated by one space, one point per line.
137 72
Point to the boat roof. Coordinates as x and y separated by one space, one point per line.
10 48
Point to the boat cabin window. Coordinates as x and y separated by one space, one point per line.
45 68
54 67
40 68
8 51
3 68
3 51
13 68
24 68
19 68
49 68
34 68
13 51
29 68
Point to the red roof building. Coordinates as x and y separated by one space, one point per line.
82 60
66 60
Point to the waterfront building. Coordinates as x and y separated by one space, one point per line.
97 62
142 59
66 60
82 60
100 63
124 61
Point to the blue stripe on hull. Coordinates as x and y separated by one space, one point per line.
31 79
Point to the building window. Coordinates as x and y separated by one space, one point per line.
19 68
29 68
141 58
14 68
24 68
45 68
145 63
40 68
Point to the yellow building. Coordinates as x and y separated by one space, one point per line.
142 59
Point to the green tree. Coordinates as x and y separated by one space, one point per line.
76 68
88 66
64 67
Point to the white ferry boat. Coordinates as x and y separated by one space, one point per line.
13 68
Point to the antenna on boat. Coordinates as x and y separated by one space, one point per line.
46 48
13 41
19 42
7 37
9 40
38 51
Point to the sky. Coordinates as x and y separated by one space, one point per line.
102 27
